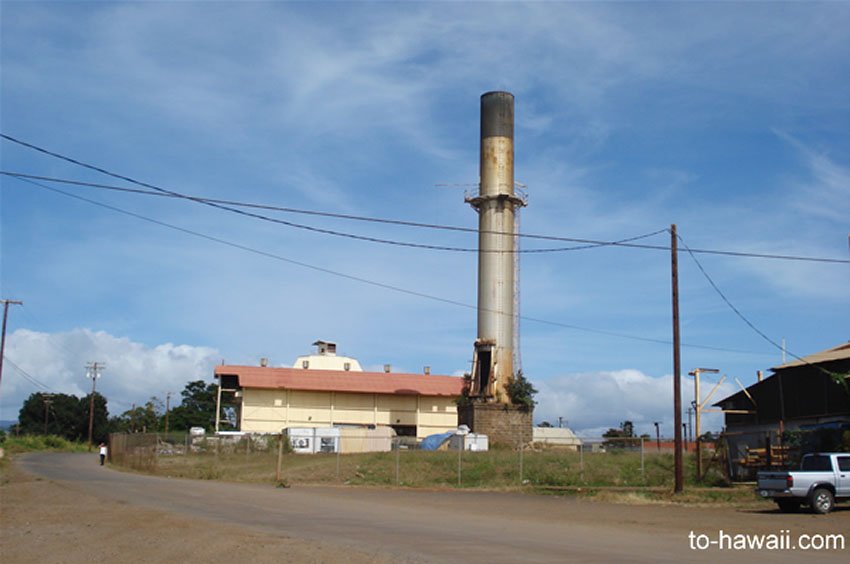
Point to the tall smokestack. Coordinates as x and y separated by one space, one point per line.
496 205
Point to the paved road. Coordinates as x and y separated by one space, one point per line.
469 527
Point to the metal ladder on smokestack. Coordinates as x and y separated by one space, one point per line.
522 192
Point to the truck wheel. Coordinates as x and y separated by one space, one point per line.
822 501
786 506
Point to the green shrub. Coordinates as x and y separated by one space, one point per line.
521 391
26 443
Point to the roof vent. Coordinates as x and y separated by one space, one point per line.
264 362
305 364
388 368
347 366
427 370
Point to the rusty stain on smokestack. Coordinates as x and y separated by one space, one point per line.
496 205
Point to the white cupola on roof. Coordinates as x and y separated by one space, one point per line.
325 348
325 358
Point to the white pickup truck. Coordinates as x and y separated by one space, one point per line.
823 479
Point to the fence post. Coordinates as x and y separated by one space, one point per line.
338 453
397 461
521 451
642 468
460 460
279 473
581 461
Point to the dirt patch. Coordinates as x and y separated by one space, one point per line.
43 521
81 512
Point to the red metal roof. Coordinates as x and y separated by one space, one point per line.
343 381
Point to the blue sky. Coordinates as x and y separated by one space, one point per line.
730 120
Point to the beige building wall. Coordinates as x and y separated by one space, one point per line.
270 411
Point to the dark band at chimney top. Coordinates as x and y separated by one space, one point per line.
497 115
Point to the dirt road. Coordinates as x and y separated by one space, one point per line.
81 512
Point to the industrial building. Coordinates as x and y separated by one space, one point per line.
326 390
803 405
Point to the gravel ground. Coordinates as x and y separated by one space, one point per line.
65 508
44 522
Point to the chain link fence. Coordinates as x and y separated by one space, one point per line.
364 458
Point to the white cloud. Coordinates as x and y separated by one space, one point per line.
592 402
133 371
825 193
362 108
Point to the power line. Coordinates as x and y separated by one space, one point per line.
585 243
750 324
361 279
229 205
725 299
29 377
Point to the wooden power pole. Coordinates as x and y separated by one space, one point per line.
6 304
92 371
677 364
167 407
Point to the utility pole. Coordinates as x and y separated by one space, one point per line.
167 407
92 371
48 400
6 304
677 364
697 414
657 435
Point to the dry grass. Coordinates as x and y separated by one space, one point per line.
613 477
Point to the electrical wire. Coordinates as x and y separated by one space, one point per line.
362 280
744 318
230 204
32 380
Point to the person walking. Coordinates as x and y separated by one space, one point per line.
103 452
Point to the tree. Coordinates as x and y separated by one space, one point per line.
626 431
142 419
63 415
100 423
521 391
197 408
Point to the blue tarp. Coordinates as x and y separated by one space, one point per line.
433 442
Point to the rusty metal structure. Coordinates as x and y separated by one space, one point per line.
497 205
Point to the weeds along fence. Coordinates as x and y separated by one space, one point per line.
143 451
396 461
